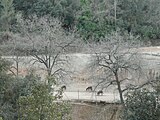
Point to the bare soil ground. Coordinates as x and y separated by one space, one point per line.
150 49
76 87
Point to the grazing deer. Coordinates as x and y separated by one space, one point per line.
63 88
100 92
89 88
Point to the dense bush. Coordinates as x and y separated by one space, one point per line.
141 105
41 105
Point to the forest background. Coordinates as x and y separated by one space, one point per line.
92 19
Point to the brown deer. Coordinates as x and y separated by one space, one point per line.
63 88
100 92
89 88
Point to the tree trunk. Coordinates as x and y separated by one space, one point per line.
115 13
119 87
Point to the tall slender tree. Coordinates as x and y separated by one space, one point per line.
7 14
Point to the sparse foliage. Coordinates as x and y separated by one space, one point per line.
116 62
48 44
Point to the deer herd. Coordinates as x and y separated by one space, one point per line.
151 75
90 89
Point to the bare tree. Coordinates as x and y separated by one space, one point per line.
12 51
48 44
117 63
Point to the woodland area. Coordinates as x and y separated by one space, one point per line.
48 30
92 19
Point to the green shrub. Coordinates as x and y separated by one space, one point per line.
141 105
